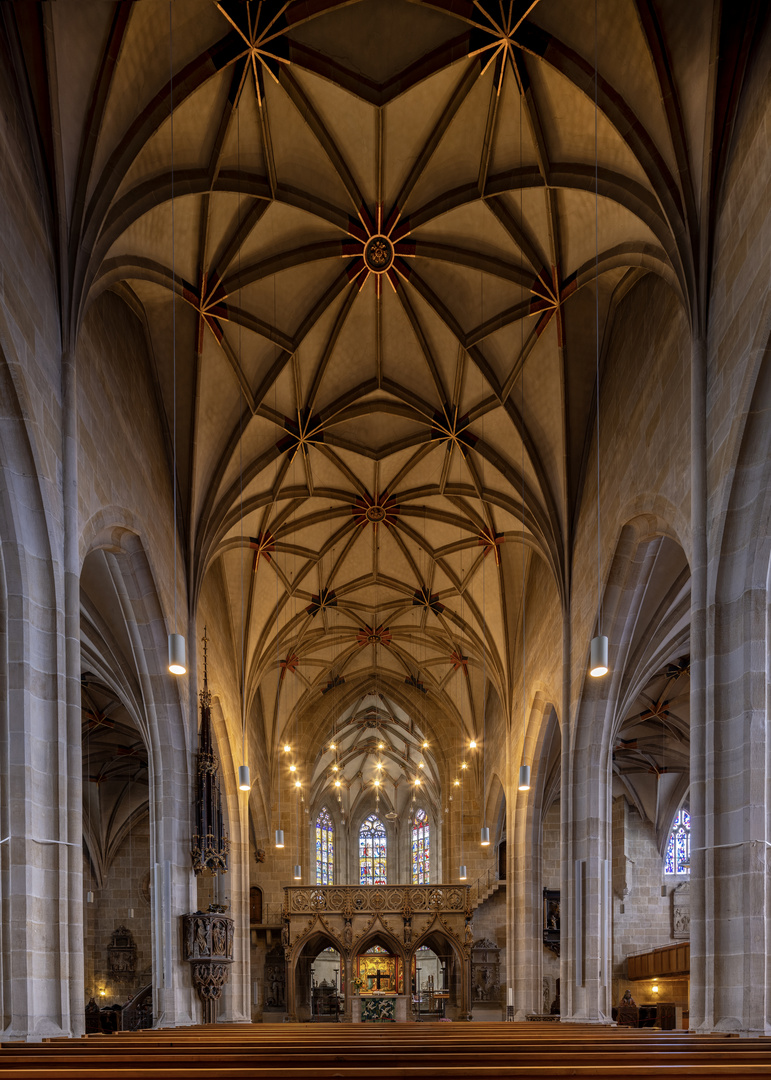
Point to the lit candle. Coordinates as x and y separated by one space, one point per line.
510 997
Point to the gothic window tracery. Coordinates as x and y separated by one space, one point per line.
325 848
678 856
372 852
420 848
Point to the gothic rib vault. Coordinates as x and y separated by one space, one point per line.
365 245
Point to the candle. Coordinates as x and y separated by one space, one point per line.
510 998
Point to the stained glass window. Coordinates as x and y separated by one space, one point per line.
325 848
678 857
420 848
372 852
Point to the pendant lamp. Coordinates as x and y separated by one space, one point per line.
598 657
484 836
177 665
462 873
279 838
598 662
524 778
298 873
244 781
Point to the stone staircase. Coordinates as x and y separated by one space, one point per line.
484 887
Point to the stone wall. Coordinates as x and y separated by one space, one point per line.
126 885
642 902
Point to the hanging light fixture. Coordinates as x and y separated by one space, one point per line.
89 897
177 665
298 872
524 770
462 872
484 836
279 838
598 659
244 781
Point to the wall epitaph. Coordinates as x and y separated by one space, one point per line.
681 912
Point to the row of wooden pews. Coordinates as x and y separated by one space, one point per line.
430 1051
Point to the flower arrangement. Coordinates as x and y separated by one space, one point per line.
357 983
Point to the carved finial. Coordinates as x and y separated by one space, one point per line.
205 641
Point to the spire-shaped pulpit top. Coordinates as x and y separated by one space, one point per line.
210 842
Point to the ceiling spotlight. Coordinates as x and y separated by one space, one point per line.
380 746
287 748
293 768
417 781
332 746
421 765
377 783
337 783
425 746
463 765
335 768
457 783
473 744
379 765
297 783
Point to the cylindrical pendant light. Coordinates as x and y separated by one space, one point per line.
279 837
244 780
598 664
130 913
462 873
484 836
89 897
524 778
177 664
298 872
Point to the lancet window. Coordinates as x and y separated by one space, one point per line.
678 856
372 852
325 848
420 848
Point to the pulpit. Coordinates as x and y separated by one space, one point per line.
208 946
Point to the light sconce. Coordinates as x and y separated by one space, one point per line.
655 988
298 873
244 780
279 838
462 873
484 836
524 778
177 664
598 664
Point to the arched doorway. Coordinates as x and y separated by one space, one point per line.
440 979
319 976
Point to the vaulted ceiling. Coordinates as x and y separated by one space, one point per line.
367 250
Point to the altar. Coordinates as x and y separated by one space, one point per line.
380 1008
379 972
